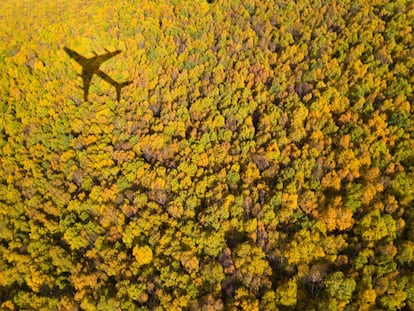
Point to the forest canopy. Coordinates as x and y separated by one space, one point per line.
261 159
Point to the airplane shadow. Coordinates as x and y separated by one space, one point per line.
90 67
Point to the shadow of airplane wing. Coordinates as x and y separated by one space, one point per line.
103 58
118 86
105 77
79 58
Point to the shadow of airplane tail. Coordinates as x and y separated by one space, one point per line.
119 87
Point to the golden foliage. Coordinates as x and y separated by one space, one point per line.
261 159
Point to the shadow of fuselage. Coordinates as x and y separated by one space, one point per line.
90 66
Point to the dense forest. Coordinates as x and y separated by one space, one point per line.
261 159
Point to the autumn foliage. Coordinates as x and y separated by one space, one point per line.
262 158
